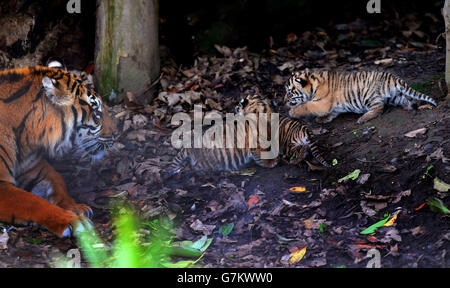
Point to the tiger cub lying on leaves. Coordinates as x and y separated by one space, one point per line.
225 159
294 138
294 141
326 94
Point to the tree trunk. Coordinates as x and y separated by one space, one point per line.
127 49
446 14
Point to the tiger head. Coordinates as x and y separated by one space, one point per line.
88 129
253 104
300 88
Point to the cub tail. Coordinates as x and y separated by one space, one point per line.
314 149
408 91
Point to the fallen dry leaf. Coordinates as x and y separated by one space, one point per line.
298 189
198 226
297 255
312 223
414 133
438 154
384 62
363 178
390 235
440 185
253 200
419 230
392 220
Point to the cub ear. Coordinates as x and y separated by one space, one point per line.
54 94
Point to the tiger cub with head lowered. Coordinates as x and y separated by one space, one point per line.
326 94
227 157
294 138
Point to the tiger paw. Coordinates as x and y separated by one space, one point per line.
82 224
61 222
82 210
292 114
78 209
325 119
362 120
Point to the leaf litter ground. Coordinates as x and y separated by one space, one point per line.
253 217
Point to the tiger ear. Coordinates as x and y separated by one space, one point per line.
55 62
54 94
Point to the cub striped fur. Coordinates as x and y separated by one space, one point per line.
224 159
326 94
294 138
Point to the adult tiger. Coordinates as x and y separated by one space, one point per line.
326 94
46 111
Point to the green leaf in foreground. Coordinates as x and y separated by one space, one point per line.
438 206
189 248
225 230
354 175
137 244
374 227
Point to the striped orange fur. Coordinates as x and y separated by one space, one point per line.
46 112
326 94
295 139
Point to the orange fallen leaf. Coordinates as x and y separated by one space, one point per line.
372 239
311 222
253 200
220 85
361 241
298 189
421 206
392 220
273 52
368 246
297 255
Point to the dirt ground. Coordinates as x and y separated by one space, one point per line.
270 221
266 232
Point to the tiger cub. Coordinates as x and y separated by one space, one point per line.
326 94
224 159
294 138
